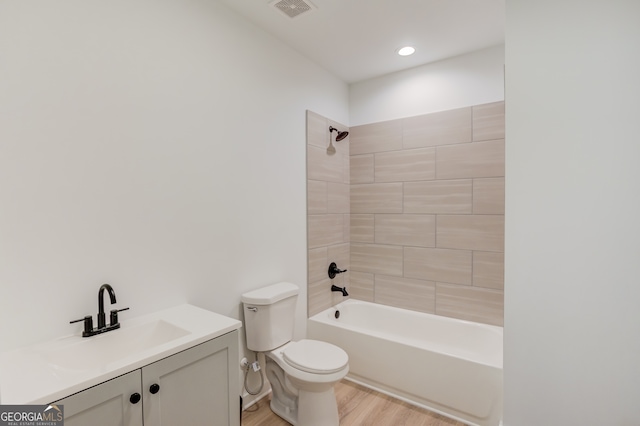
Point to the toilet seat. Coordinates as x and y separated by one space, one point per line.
313 356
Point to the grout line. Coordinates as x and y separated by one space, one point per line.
473 136
435 231
473 185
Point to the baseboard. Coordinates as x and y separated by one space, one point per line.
249 400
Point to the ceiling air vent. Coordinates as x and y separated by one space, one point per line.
292 8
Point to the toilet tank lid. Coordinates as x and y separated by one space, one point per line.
270 294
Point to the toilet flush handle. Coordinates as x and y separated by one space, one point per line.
252 308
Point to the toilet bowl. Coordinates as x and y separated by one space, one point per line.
302 376
302 373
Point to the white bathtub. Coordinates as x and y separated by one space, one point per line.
446 365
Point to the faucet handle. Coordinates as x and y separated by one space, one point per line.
113 318
333 270
88 324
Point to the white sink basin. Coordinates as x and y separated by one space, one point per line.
97 352
49 371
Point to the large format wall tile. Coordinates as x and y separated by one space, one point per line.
362 228
488 269
471 232
450 266
376 137
325 230
470 303
407 165
319 296
423 228
471 160
325 167
376 259
328 210
346 227
488 121
362 168
464 194
316 197
361 286
405 229
417 295
488 196
341 255
338 198
376 198
440 128
446 196
317 261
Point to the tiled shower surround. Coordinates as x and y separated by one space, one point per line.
426 213
327 212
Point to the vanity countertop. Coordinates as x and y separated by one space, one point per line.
49 371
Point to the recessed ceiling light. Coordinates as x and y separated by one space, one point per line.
406 51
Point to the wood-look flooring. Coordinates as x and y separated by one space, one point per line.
357 406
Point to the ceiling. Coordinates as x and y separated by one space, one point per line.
357 39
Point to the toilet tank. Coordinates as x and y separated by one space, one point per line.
269 314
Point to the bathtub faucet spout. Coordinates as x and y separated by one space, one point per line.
342 290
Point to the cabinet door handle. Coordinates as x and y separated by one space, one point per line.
135 398
154 388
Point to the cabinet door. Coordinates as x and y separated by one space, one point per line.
107 404
199 386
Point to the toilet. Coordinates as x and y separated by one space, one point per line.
302 374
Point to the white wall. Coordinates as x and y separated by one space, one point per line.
572 322
462 81
155 146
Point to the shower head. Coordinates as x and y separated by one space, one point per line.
341 135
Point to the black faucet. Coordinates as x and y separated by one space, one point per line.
333 270
343 290
102 323
112 295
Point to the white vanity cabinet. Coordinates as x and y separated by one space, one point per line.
106 404
198 386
